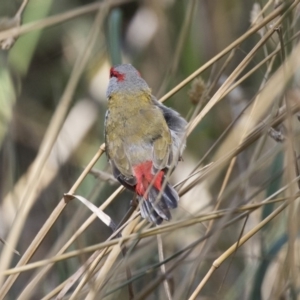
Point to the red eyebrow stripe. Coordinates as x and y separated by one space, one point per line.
118 75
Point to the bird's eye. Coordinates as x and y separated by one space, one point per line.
114 73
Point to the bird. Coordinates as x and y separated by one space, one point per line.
143 139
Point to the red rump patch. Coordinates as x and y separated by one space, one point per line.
118 75
144 176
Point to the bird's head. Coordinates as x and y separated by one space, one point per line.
125 78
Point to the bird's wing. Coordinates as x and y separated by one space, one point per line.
158 134
175 122
162 154
121 166
177 126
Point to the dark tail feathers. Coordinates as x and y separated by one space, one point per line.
156 207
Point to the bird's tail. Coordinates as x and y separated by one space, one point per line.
156 205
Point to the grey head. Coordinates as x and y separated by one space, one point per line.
125 78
